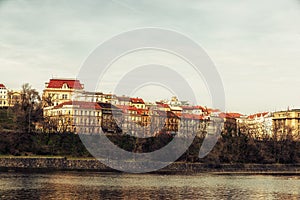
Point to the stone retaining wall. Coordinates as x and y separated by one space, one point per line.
15 163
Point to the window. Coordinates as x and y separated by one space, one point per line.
64 96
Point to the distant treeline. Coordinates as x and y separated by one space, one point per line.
237 148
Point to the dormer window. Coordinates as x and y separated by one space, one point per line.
65 86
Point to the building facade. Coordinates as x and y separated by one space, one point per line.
3 96
287 122
73 116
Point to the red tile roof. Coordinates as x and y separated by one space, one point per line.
211 110
137 100
230 115
125 108
2 85
193 108
81 104
263 114
162 105
71 83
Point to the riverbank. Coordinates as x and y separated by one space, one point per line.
89 164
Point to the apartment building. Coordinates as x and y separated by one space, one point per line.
3 96
288 121
73 116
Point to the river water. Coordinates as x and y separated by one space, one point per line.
86 185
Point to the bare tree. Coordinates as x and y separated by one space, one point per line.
28 110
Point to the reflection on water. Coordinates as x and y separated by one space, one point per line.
85 185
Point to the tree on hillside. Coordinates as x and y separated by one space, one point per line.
29 110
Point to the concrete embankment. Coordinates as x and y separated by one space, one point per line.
61 164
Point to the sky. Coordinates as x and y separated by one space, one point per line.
254 44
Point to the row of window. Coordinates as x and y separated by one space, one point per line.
76 112
63 96
286 115
87 121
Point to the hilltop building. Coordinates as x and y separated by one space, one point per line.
73 116
3 96
286 122
258 125
58 91
8 98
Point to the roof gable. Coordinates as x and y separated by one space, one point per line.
137 100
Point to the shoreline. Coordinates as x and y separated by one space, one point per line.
53 164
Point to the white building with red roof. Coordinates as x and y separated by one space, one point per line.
138 103
258 125
3 96
73 116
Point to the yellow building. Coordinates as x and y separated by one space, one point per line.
14 97
285 122
58 91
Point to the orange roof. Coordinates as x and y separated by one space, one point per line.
263 114
193 108
71 83
230 115
125 108
137 100
2 85
81 104
211 110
